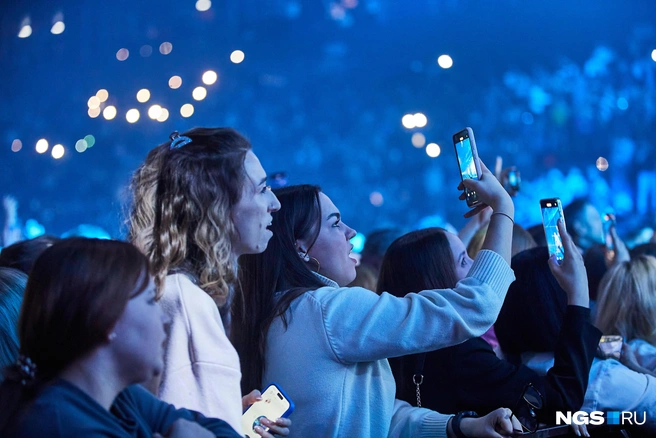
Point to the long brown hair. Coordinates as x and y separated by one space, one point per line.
278 269
419 260
182 199
627 300
77 290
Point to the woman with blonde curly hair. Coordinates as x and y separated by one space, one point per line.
199 202
627 307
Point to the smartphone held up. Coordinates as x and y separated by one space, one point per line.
552 211
468 164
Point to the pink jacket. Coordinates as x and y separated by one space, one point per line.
201 367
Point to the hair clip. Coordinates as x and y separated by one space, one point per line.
26 369
177 140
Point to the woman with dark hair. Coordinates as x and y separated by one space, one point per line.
470 376
12 285
531 323
327 344
89 331
21 255
199 202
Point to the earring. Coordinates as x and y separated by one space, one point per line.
317 262
304 256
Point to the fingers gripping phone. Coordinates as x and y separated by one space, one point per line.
552 211
274 404
468 163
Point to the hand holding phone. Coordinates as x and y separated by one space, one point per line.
552 212
273 405
489 192
468 163
570 272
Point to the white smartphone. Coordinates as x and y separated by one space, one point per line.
552 210
274 404
467 156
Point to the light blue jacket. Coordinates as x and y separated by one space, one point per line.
332 362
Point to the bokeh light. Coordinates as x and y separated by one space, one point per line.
102 95
199 93
122 54
164 115
143 95
94 112
420 120
408 121
203 5
165 48
376 199
132 115
445 61
418 140
175 82
602 164
154 112
146 51
42 146
622 103
25 31
109 112
57 151
90 139
81 145
237 56
653 55
209 77
433 150
186 110
58 28
93 102
16 145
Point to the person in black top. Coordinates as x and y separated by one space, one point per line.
470 376
89 331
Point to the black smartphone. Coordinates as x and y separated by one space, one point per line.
468 163
552 211
609 222
514 180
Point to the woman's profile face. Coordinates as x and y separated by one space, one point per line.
461 260
332 249
138 345
252 214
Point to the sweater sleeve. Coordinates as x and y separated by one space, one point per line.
160 415
416 422
567 381
362 326
479 380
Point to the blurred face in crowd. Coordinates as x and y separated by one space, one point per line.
252 214
590 229
332 249
138 337
462 261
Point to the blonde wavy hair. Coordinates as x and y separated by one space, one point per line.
181 204
627 300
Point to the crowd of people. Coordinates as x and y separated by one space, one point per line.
227 285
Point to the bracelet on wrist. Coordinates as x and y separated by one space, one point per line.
504 214
455 423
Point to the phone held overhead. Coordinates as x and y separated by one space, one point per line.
468 163
552 211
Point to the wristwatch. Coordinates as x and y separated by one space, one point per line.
455 423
